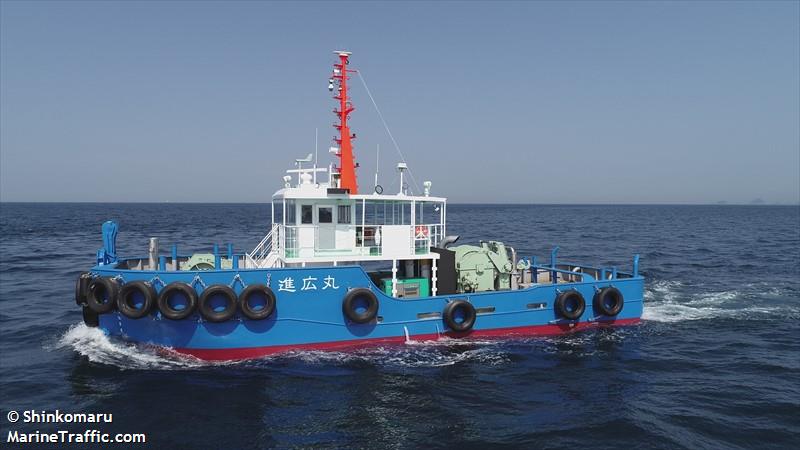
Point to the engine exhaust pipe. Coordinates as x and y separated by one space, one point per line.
448 241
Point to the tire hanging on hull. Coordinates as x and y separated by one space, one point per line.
608 301
81 287
180 291
209 312
468 315
101 295
351 306
256 292
90 318
570 305
136 299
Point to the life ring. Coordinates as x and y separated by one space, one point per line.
360 305
101 295
81 286
209 311
459 322
176 294
250 298
608 301
421 231
570 304
135 299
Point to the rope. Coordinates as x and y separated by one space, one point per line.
197 279
158 280
389 132
233 282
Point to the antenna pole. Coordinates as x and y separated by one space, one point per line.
316 152
377 164
347 167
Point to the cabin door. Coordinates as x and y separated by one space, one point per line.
326 228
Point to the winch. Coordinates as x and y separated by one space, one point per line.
487 267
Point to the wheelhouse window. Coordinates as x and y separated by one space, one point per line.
306 214
344 214
291 213
325 214
383 212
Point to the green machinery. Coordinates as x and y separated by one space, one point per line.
408 287
484 268
204 261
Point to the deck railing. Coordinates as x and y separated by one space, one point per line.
259 255
571 273
368 240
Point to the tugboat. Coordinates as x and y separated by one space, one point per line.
340 269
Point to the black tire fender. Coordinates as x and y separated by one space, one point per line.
349 307
90 318
608 301
81 286
101 294
127 295
570 305
204 305
469 315
247 309
166 294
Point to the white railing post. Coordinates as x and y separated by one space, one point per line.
260 253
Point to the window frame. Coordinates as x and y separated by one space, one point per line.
319 215
303 214
347 217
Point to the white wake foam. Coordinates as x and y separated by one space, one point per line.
99 348
95 345
669 301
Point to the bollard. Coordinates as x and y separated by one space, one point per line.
232 258
175 256
217 259
152 253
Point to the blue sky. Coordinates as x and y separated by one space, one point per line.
564 102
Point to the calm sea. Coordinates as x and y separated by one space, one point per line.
715 364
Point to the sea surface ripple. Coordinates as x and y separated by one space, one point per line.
714 364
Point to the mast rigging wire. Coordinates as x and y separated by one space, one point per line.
388 131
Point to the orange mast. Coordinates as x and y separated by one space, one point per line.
347 165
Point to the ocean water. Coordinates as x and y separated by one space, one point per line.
715 363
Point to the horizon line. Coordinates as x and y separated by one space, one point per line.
451 203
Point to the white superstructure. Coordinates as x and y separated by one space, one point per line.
317 224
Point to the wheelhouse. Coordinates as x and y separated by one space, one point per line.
319 224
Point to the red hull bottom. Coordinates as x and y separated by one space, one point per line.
232 354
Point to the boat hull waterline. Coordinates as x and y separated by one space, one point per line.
308 313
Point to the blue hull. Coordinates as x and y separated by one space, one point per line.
309 315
